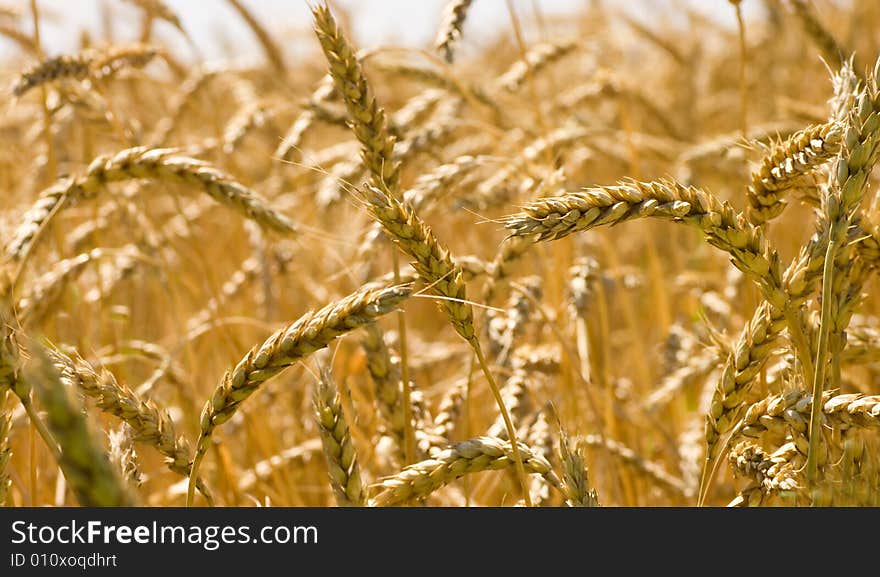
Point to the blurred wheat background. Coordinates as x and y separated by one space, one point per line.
642 244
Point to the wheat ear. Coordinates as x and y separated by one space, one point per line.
387 378
449 33
149 424
537 58
472 456
785 165
575 477
724 227
367 118
771 474
342 462
124 457
311 332
77 66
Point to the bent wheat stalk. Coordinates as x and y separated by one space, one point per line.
159 164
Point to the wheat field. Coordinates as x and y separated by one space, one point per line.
592 261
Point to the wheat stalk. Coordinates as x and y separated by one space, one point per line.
368 119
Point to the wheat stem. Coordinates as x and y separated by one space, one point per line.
821 359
